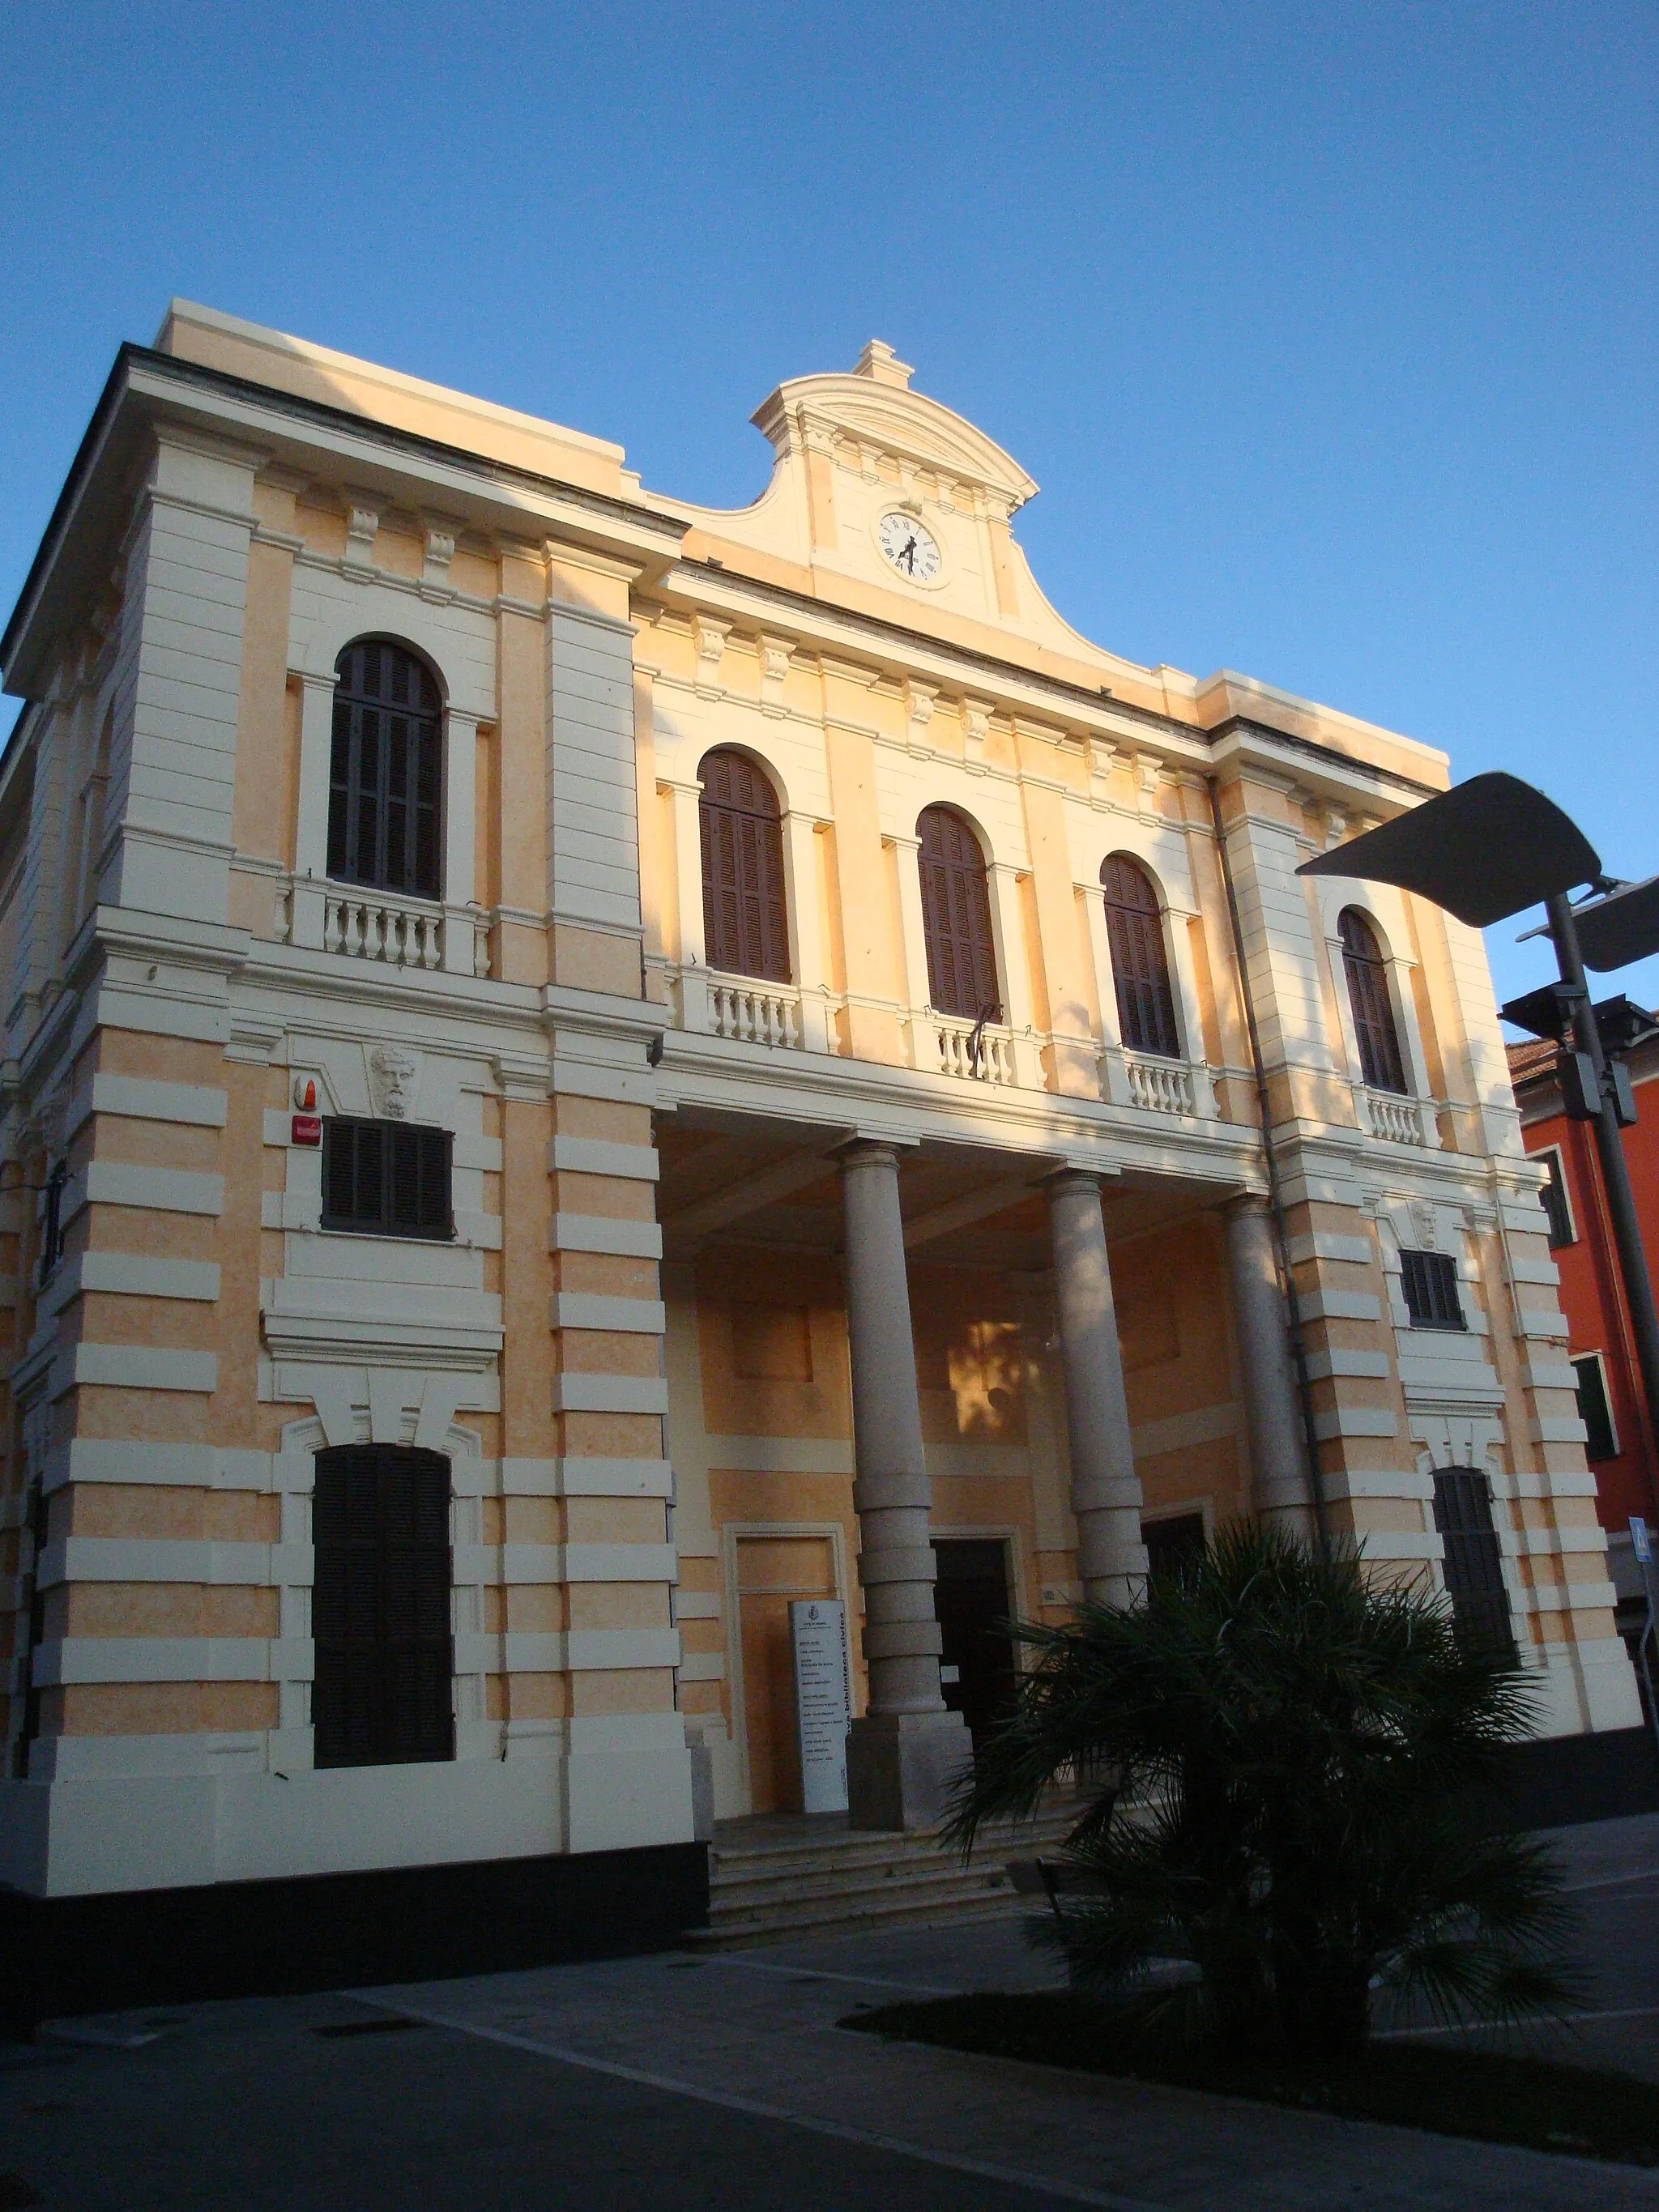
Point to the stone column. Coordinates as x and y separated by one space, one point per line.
1105 1488
903 1756
1281 1491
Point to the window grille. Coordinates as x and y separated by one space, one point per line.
1380 1060
1602 1439
1140 964
956 917
1474 1565
1558 1211
385 771
387 1178
745 926
1430 1282
52 1219
380 1607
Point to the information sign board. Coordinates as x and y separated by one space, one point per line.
817 1631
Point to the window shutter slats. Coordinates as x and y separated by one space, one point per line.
956 916
746 927
1474 1561
385 770
1381 1063
1140 966
387 1178
380 1607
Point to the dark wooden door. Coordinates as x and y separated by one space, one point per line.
970 1600
380 1611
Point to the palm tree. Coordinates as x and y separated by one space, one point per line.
1288 1763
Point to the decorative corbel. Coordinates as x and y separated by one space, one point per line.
975 728
712 633
362 525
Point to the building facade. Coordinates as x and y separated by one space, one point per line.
1619 1443
580 1067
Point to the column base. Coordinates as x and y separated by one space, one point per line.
903 1767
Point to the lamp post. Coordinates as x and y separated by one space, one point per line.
1608 1119
1487 849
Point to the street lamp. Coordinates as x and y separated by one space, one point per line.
1487 849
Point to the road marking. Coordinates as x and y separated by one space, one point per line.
1479 2026
1612 1880
1011 2177
817 1974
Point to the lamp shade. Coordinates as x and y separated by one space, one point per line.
1622 928
1484 850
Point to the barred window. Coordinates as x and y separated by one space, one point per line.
745 926
380 1607
1380 1060
1475 1566
387 1178
385 772
1140 964
956 917
1430 1282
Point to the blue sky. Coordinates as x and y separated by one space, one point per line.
1328 330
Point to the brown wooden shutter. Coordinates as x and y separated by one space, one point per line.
956 917
380 1607
1380 1060
745 928
1474 1563
1140 964
387 1178
385 770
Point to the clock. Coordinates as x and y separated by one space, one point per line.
910 547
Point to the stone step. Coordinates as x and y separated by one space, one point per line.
946 1882
851 1917
747 1883
768 1889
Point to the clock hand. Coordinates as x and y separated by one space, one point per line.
909 556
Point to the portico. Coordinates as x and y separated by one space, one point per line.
922 1343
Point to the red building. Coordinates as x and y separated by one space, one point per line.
1620 1443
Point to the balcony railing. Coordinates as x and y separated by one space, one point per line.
754 1013
381 927
983 1050
1163 1086
1398 1120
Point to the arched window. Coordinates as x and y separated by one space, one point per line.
385 774
1380 1062
745 930
956 917
1140 965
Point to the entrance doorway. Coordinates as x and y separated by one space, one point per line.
771 1570
970 1598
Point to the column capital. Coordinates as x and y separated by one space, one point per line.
1071 1177
1244 1203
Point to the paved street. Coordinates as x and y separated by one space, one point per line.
725 2082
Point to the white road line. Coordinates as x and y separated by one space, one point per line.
816 1974
1479 2026
1040 2185
1612 1880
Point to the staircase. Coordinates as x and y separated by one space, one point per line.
779 1876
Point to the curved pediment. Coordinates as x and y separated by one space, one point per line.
874 406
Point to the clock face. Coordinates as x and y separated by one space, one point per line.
909 548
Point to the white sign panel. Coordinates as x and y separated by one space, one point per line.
817 1631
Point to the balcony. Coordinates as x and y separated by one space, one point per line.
381 926
1396 1120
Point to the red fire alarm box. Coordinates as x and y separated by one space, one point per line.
307 1129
